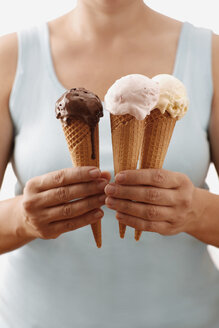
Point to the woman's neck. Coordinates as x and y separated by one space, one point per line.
106 19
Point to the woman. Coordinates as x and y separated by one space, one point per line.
60 279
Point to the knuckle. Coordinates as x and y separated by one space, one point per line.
66 211
151 194
151 212
28 203
185 179
62 194
46 198
29 222
34 222
69 226
59 177
186 202
29 185
158 176
41 181
186 183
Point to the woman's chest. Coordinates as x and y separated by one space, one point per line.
97 69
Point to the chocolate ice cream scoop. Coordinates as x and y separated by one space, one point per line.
80 104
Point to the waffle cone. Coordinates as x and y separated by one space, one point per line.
157 135
78 137
127 136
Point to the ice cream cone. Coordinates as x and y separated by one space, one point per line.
157 135
129 100
78 137
127 137
79 111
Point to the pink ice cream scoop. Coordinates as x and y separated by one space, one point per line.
133 94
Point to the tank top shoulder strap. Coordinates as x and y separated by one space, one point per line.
32 64
194 68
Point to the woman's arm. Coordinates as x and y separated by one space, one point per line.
167 202
208 231
8 62
9 210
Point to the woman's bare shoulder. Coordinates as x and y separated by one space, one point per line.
8 63
215 73
215 61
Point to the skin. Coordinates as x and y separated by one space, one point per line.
90 36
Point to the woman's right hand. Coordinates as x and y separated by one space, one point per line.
63 201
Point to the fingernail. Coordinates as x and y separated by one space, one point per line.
110 189
120 177
102 198
98 214
102 184
94 173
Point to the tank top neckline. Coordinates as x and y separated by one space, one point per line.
59 85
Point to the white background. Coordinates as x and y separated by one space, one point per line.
17 14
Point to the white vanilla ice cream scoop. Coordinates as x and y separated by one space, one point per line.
133 94
173 96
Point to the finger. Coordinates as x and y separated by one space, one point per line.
151 177
140 210
76 223
150 195
73 209
65 194
63 177
163 228
105 175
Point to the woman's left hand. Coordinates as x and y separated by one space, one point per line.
153 200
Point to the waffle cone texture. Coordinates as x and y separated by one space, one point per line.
78 137
157 135
127 137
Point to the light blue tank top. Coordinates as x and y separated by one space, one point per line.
159 282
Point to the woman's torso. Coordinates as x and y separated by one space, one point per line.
68 282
